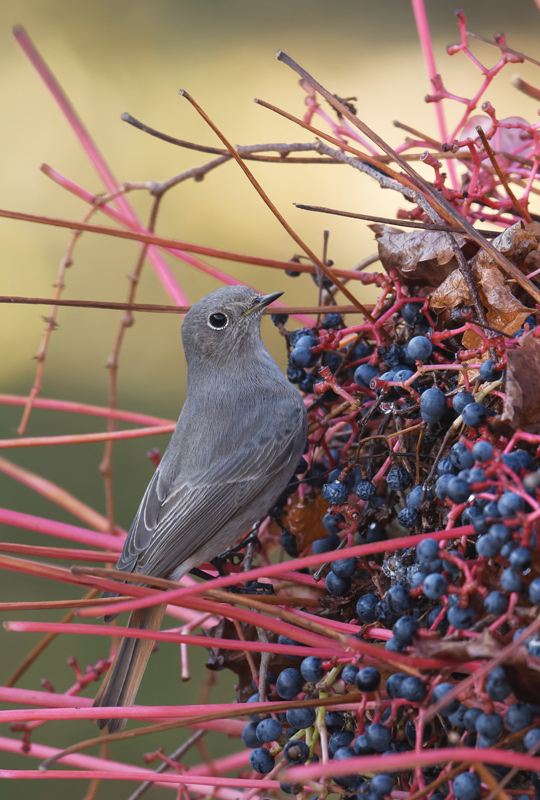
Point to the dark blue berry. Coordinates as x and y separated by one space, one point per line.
458 490
380 785
408 517
398 599
249 735
361 747
461 618
331 320
521 558
378 737
296 752
290 788
491 726
334 721
301 357
427 549
510 581
460 400
509 504
366 609
474 415
470 717
394 683
518 716
295 374
461 456
488 371
261 760
415 495
497 685
439 692
410 312
404 630
331 522
398 478
413 690
487 546
534 591
445 465
368 679
345 567
335 493
495 603
393 645
289 683
432 405
288 542
295 335
300 718
327 544
518 460
338 740
364 374
531 738
457 719
269 730
349 673
434 586
466 786
482 451
419 348
364 490
499 532
336 585
312 669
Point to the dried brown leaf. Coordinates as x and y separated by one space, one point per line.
522 402
485 646
420 257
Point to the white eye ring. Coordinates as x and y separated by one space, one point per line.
218 321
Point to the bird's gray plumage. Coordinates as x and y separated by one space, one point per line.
238 440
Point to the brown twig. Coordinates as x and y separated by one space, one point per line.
522 211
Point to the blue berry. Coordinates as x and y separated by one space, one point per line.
458 490
380 785
497 685
510 581
408 517
531 738
461 400
445 465
312 669
434 586
361 747
289 683
482 451
364 374
378 737
261 760
439 692
474 415
419 348
345 567
374 533
334 721
331 320
507 548
410 312
441 487
249 735
295 374
300 718
393 645
499 532
349 673
301 357
413 690
268 730
461 618
521 558
490 510
461 456
296 752
360 350
491 726
288 542
509 504
432 405
488 371
398 599
470 717
457 719
366 609
365 490
518 460
534 591
398 478
336 585
335 493
495 603
286 787
518 716
487 546
415 495
338 740
348 781
327 544
394 683
427 549
286 640
331 522
368 679
466 786
404 629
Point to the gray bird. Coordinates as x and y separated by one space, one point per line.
238 440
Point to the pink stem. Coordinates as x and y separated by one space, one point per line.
84 408
50 527
83 438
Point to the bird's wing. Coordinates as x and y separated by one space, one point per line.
174 521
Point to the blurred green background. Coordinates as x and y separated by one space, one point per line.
134 56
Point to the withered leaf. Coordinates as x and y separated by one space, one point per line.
421 257
303 518
522 402
485 646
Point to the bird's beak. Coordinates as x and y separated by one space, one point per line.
263 302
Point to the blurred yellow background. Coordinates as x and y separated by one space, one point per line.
134 56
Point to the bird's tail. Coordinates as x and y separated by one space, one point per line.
121 683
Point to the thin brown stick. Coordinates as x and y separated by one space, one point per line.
292 233
526 88
522 211
503 47
42 645
437 202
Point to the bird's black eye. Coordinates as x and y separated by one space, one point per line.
218 321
